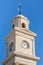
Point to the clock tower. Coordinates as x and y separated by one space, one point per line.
20 43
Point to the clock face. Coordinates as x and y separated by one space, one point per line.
25 45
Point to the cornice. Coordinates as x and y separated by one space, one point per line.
26 31
26 56
22 30
21 55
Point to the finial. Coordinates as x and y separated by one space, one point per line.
19 8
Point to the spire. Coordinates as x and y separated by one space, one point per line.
19 8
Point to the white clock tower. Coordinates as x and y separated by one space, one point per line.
20 43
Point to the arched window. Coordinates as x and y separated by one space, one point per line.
13 26
11 46
23 25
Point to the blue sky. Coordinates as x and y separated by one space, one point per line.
33 10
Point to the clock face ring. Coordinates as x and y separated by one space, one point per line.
25 45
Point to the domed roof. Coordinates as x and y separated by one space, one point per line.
21 16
